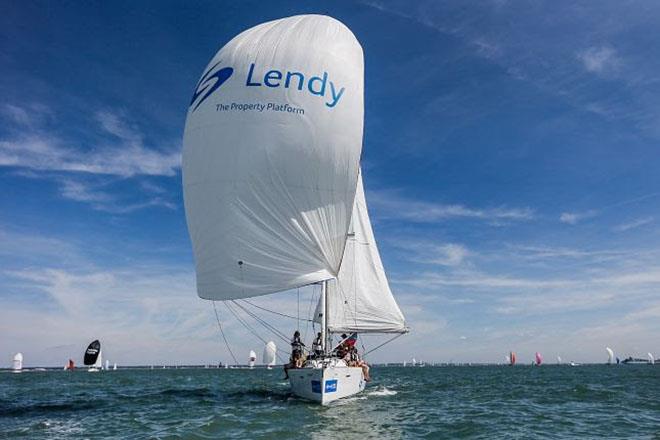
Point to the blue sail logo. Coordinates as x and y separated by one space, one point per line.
209 83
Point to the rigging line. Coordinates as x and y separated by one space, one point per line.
217 318
271 311
386 342
263 322
245 324
309 310
277 353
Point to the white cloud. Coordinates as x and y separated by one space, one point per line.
599 59
573 218
388 205
124 154
101 200
633 224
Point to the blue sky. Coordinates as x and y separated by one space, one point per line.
511 158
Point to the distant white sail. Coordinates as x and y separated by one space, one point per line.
114 366
559 359
107 364
270 352
17 362
360 299
610 355
271 151
651 358
252 359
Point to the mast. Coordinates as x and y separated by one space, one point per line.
324 314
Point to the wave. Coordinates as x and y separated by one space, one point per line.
383 392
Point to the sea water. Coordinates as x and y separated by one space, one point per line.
431 402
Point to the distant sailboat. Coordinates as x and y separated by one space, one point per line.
252 359
270 353
558 360
538 359
17 363
107 365
93 357
651 359
414 362
114 366
610 355
512 359
70 366
404 363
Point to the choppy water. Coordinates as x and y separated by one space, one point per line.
430 402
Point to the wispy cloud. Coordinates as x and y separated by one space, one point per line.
101 200
389 205
599 59
633 224
573 218
123 154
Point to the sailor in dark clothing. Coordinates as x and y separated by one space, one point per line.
317 345
297 356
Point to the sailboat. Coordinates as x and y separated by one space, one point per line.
610 355
107 365
559 361
651 358
270 353
94 357
114 366
252 359
70 366
272 189
538 359
17 363
512 359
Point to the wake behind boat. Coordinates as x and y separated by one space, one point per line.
272 187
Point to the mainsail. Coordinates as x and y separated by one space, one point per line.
360 299
271 152
93 354
538 359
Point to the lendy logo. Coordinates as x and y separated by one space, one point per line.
316 85
319 85
209 83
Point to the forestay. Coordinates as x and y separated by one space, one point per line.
271 154
360 299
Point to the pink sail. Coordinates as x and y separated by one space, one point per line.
539 358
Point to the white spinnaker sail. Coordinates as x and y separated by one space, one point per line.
360 299
610 355
270 351
651 358
271 153
17 362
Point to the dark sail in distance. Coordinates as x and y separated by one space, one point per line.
92 352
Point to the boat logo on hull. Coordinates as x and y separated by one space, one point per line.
331 386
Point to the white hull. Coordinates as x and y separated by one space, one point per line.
93 370
326 384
